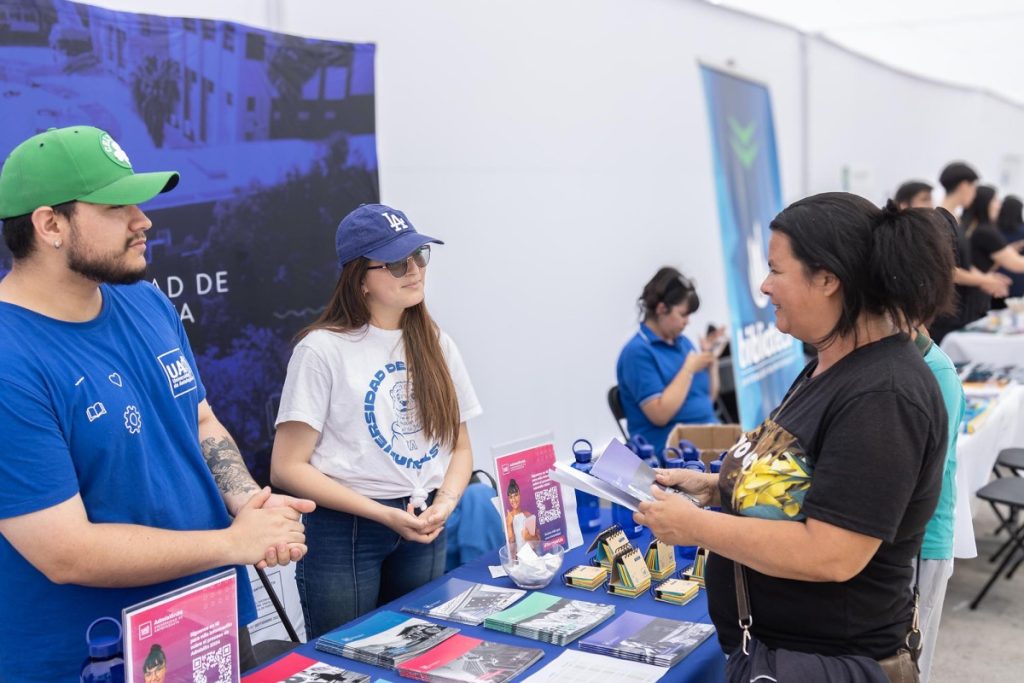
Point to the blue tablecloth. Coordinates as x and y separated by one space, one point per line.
705 664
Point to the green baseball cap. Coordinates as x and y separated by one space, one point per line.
78 162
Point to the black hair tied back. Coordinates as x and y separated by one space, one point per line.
890 212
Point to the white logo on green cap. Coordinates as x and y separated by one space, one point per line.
114 151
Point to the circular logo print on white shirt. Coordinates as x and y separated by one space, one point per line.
114 151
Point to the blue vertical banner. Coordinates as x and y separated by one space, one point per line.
747 187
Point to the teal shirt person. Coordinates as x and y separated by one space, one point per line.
938 533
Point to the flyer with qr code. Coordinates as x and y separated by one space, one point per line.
189 634
533 506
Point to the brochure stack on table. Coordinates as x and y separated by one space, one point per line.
461 658
550 619
295 668
464 601
385 639
643 638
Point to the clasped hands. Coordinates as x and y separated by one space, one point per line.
272 521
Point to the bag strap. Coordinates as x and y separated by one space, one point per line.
743 603
913 641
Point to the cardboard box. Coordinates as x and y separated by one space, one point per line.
710 439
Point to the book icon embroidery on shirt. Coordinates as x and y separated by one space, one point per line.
774 476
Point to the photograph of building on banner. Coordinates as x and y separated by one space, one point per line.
534 507
190 634
243 248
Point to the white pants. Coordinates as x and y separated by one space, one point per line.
934 576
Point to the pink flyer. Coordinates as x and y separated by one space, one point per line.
189 635
532 504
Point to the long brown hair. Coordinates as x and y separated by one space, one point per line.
436 401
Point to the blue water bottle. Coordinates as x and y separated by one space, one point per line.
671 458
588 507
623 516
105 663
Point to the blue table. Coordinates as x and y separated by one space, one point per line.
705 664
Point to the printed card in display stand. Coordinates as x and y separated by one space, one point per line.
533 506
193 631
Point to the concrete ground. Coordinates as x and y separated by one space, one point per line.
986 644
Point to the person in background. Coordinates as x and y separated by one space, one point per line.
974 288
663 378
914 194
1011 225
372 426
823 516
989 247
120 483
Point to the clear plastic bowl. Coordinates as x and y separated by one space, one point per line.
523 576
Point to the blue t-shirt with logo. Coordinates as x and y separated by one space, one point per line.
646 366
106 409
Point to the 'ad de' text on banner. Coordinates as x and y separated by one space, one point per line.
765 361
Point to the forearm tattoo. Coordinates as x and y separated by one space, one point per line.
227 466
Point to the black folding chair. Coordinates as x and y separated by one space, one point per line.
1011 459
1008 491
615 404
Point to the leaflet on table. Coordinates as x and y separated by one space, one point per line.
191 633
574 665
295 668
462 658
384 639
464 601
550 618
644 638
533 506
618 475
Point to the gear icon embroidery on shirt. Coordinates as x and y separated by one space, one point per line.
132 420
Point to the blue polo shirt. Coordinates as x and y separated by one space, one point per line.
646 366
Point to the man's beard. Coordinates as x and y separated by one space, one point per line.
107 269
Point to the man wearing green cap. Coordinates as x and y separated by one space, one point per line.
119 482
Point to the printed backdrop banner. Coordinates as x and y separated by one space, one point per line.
275 141
765 361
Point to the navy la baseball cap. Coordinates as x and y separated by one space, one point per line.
379 233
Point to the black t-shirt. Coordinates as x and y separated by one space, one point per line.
971 302
986 239
861 447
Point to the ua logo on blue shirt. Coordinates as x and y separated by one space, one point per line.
178 371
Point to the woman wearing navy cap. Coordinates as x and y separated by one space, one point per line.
663 378
372 426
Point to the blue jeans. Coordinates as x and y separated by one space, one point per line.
354 565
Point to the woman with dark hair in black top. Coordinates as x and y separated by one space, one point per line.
1011 224
825 503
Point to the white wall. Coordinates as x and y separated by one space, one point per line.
561 149
894 127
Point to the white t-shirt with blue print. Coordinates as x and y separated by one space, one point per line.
354 389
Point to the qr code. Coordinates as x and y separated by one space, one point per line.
549 506
211 664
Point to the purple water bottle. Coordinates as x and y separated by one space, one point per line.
588 507
105 663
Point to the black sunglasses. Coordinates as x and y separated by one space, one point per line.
399 268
